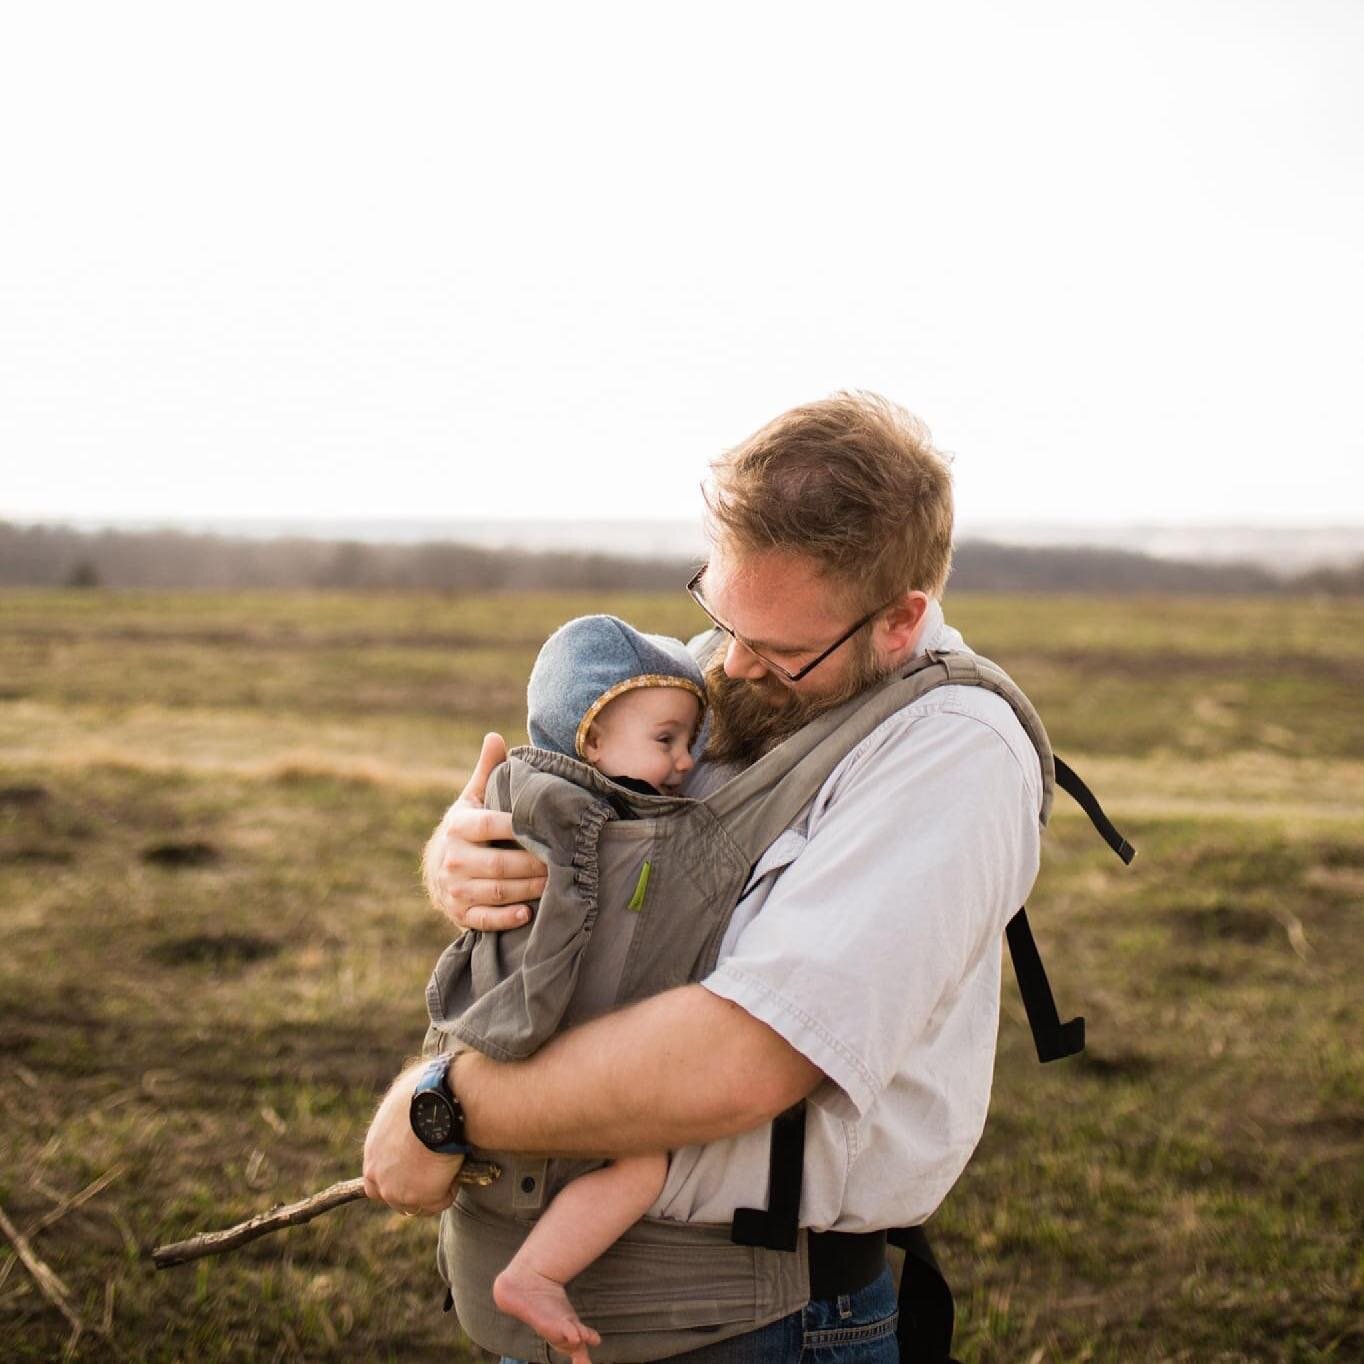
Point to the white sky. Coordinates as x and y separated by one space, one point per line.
451 260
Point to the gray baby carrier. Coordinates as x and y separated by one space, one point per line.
640 891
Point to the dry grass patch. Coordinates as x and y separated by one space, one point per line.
214 949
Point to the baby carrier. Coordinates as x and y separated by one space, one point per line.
640 891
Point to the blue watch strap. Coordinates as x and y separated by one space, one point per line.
426 1111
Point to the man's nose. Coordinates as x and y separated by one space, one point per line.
741 661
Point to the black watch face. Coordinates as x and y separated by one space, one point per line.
432 1120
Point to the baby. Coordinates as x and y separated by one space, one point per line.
630 705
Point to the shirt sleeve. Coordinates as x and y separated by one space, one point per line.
920 848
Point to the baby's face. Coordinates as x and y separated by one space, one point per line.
645 733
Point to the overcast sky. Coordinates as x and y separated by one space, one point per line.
433 260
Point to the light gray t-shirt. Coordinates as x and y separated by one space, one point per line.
870 939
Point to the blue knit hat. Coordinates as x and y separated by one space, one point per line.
590 661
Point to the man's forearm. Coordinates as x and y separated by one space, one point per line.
682 1068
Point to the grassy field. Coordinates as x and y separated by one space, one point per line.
214 948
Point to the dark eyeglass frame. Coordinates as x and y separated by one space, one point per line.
694 591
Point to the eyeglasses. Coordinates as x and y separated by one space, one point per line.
694 589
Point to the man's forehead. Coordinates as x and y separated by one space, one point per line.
771 596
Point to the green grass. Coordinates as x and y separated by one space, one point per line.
214 947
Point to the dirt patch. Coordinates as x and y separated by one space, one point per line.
39 856
1342 854
223 949
192 853
23 796
1201 972
1347 1126
1118 1065
335 1055
1227 923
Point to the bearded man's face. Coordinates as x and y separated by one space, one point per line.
782 610
748 717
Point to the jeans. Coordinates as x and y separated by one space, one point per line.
854 1328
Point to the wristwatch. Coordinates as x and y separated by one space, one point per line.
436 1116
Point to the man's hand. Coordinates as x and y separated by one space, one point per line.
398 1169
473 885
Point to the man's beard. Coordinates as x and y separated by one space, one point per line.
750 718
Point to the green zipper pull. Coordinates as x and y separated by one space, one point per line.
641 887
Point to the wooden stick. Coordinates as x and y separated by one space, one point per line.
52 1288
479 1172
67 1204
285 1215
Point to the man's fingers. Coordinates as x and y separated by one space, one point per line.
499 892
493 752
479 862
488 920
485 826
469 878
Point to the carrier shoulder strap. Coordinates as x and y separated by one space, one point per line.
757 806
760 803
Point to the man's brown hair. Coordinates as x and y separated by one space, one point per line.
854 482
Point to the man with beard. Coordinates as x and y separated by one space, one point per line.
861 968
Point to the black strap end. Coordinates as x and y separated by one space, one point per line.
1068 780
927 1310
1066 1039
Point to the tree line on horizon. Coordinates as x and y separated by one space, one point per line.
61 556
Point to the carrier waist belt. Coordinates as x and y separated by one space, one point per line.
845 1261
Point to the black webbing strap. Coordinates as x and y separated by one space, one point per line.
777 1227
927 1312
1067 780
1052 1038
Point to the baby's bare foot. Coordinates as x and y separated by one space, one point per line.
544 1306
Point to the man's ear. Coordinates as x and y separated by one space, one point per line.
899 626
